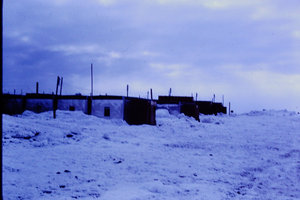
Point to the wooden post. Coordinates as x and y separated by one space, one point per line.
61 84
92 79
127 90
170 91
37 88
57 84
151 94
89 106
54 102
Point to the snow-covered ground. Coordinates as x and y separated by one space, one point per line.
76 156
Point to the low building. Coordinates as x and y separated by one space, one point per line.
132 110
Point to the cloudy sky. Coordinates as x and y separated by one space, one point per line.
248 51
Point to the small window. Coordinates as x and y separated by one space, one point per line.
106 111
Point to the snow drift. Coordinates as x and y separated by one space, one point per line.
76 156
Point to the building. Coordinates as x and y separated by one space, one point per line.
132 110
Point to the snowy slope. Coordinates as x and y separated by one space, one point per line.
76 156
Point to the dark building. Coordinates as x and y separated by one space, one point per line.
210 108
139 111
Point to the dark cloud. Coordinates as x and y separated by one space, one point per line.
192 46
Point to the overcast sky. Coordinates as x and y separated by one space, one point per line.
248 51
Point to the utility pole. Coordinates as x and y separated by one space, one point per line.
170 91
151 94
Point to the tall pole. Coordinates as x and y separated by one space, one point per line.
92 79
151 94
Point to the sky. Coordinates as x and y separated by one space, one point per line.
248 51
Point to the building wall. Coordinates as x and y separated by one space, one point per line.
39 105
174 109
139 111
187 108
190 109
72 104
116 108
132 110
13 104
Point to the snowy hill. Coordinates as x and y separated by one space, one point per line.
76 156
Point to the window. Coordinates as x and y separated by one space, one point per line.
106 111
